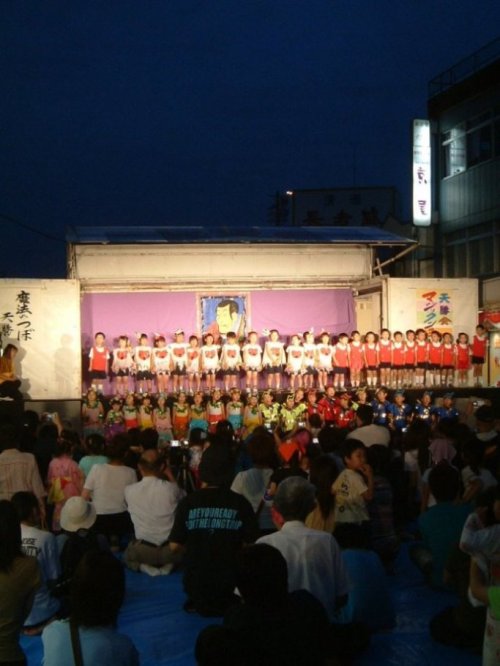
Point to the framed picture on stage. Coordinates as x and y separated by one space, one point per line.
223 314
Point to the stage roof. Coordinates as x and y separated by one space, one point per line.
371 236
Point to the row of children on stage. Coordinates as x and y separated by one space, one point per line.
418 358
174 418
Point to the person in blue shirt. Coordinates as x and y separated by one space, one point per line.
424 409
399 413
447 411
380 406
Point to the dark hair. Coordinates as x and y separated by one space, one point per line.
315 421
97 590
261 450
99 333
95 443
148 438
118 447
25 503
262 576
365 414
219 646
8 437
473 454
322 475
444 482
233 305
350 445
379 457
48 431
10 535
331 438
64 446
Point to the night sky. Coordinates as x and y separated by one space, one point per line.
182 112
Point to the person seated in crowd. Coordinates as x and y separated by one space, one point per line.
272 627
64 479
252 483
441 525
211 525
105 485
487 434
94 445
97 594
18 470
152 503
368 432
313 557
20 578
78 518
323 475
42 545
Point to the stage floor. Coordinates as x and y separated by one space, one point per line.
165 635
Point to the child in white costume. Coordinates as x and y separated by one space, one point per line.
252 361
294 361
274 359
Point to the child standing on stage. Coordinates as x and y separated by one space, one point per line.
215 410
252 361
160 363
92 414
130 413
198 414
162 422
234 411
178 353
463 359
180 417
114 422
252 416
230 361
274 359
449 361
309 369
356 362
479 351
294 361
324 359
142 361
422 357
385 357
435 359
98 362
370 354
146 413
410 357
398 360
341 361
122 365
193 364
209 361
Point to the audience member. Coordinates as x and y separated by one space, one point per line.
313 557
19 580
42 545
105 485
272 627
441 525
152 503
97 593
211 525
368 432
94 445
323 474
18 471
64 479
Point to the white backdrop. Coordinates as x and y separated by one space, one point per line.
42 318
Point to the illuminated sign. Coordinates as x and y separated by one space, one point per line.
421 173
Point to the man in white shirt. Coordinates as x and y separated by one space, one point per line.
368 432
313 558
152 503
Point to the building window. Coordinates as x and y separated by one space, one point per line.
479 145
454 151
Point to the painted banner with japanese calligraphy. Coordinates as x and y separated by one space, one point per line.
445 305
42 319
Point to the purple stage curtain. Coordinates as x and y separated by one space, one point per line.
296 311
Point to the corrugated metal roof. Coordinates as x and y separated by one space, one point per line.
227 234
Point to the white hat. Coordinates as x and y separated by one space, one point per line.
77 514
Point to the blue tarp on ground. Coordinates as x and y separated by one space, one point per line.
153 617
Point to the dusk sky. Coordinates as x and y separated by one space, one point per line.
182 112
